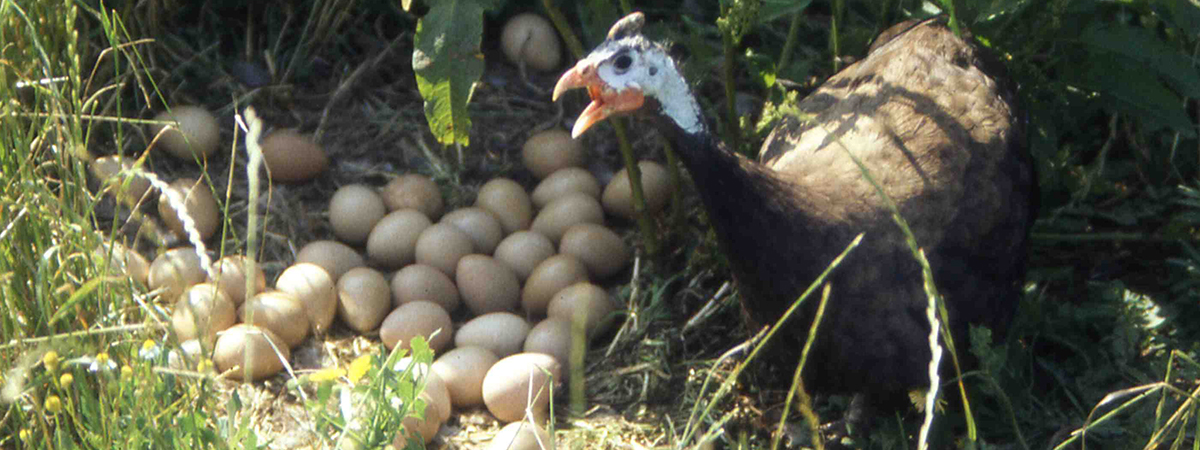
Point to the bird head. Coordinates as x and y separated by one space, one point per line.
622 72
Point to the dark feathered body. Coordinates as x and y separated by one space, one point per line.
926 114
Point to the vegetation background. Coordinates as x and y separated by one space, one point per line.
1103 352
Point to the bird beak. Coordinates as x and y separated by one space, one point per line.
605 100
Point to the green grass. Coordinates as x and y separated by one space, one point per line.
1103 351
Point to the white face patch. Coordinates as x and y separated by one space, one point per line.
632 64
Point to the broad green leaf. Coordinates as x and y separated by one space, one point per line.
1151 53
1128 87
447 62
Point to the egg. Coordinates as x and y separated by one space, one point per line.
560 214
201 312
280 312
353 212
520 382
441 246
486 285
523 251
480 225
583 300
198 203
363 298
107 169
417 318
434 385
520 435
501 332
530 40
264 351
552 150
315 290
194 133
552 275
425 429
423 282
393 241
508 201
335 257
599 248
174 271
656 186
291 156
414 191
124 261
462 369
189 353
229 274
551 336
563 182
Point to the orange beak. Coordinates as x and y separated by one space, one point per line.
605 100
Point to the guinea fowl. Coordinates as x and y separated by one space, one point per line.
933 120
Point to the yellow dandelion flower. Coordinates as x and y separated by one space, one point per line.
53 404
50 360
25 434
327 374
126 372
65 380
359 367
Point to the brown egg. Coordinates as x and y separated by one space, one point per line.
335 257
518 382
418 318
425 429
229 274
530 39
315 289
195 134
523 251
291 156
599 248
462 369
441 246
486 285
508 201
280 312
201 312
551 336
520 435
240 343
480 225
353 212
434 386
583 300
393 241
125 261
552 275
414 191
501 332
199 204
552 150
563 182
573 208
108 168
174 271
363 298
422 282
656 185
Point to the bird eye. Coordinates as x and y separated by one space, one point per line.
623 62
